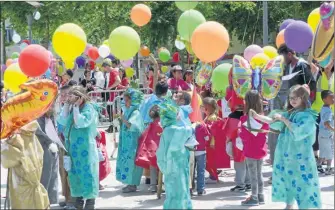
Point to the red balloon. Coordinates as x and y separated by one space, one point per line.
34 60
26 41
91 65
93 53
176 57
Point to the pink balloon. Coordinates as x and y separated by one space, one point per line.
88 46
127 63
252 50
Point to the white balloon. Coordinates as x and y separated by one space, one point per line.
37 15
23 45
179 45
16 38
100 60
103 51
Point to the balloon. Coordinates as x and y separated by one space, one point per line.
69 64
259 60
280 38
91 65
104 51
80 61
210 41
298 36
188 22
69 42
88 46
111 57
124 42
14 77
15 60
326 61
176 57
93 53
26 41
9 62
37 15
48 74
145 51
251 51
314 19
130 72
27 106
188 47
140 14
220 79
285 24
34 60
164 55
186 5
16 38
203 73
164 69
179 44
270 51
127 63
23 45
3 67
15 55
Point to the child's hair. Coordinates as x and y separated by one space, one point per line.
325 94
187 97
161 88
86 72
253 100
301 92
154 112
210 101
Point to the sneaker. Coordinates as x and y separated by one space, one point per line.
237 189
261 199
270 180
129 189
62 204
320 170
191 192
248 187
153 188
329 171
147 180
251 201
210 181
202 193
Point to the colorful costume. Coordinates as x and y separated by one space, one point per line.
173 158
23 156
126 170
104 166
295 174
80 130
148 144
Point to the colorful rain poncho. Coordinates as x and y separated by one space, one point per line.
126 170
173 158
295 174
80 130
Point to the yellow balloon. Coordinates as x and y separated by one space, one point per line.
270 51
259 60
106 42
14 77
69 41
164 69
130 72
318 103
314 19
69 64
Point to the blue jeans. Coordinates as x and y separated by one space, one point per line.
200 162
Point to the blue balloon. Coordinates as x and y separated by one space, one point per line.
47 74
326 61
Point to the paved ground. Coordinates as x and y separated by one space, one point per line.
218 195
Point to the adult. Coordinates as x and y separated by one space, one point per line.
79 118
177 81
66 77
87 78
124 80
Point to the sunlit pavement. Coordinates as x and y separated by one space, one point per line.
218 195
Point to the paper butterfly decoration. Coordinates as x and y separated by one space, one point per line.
267 79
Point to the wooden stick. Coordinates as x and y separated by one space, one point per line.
160 185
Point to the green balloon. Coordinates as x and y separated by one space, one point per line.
220 78
186 5
124 42
15 55
164 55
188 22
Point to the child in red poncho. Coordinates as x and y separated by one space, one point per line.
148 144
104 165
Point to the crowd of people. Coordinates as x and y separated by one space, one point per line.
158 136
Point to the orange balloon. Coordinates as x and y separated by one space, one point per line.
9 62
280 38
210 41
140 14
145 51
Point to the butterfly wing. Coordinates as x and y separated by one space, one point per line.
271 77
241 76
204 72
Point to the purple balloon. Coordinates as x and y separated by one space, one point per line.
80 61
285 23
251 51
127 63
298 36
111 57
3 67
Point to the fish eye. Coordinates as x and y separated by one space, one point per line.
45 93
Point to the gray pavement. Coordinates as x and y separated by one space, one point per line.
218 195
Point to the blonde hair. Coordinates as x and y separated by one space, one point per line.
302 92
80 92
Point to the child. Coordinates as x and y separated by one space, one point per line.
104 164
216 157
148 144
254 147
295 174
326 131
173 157
126 170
